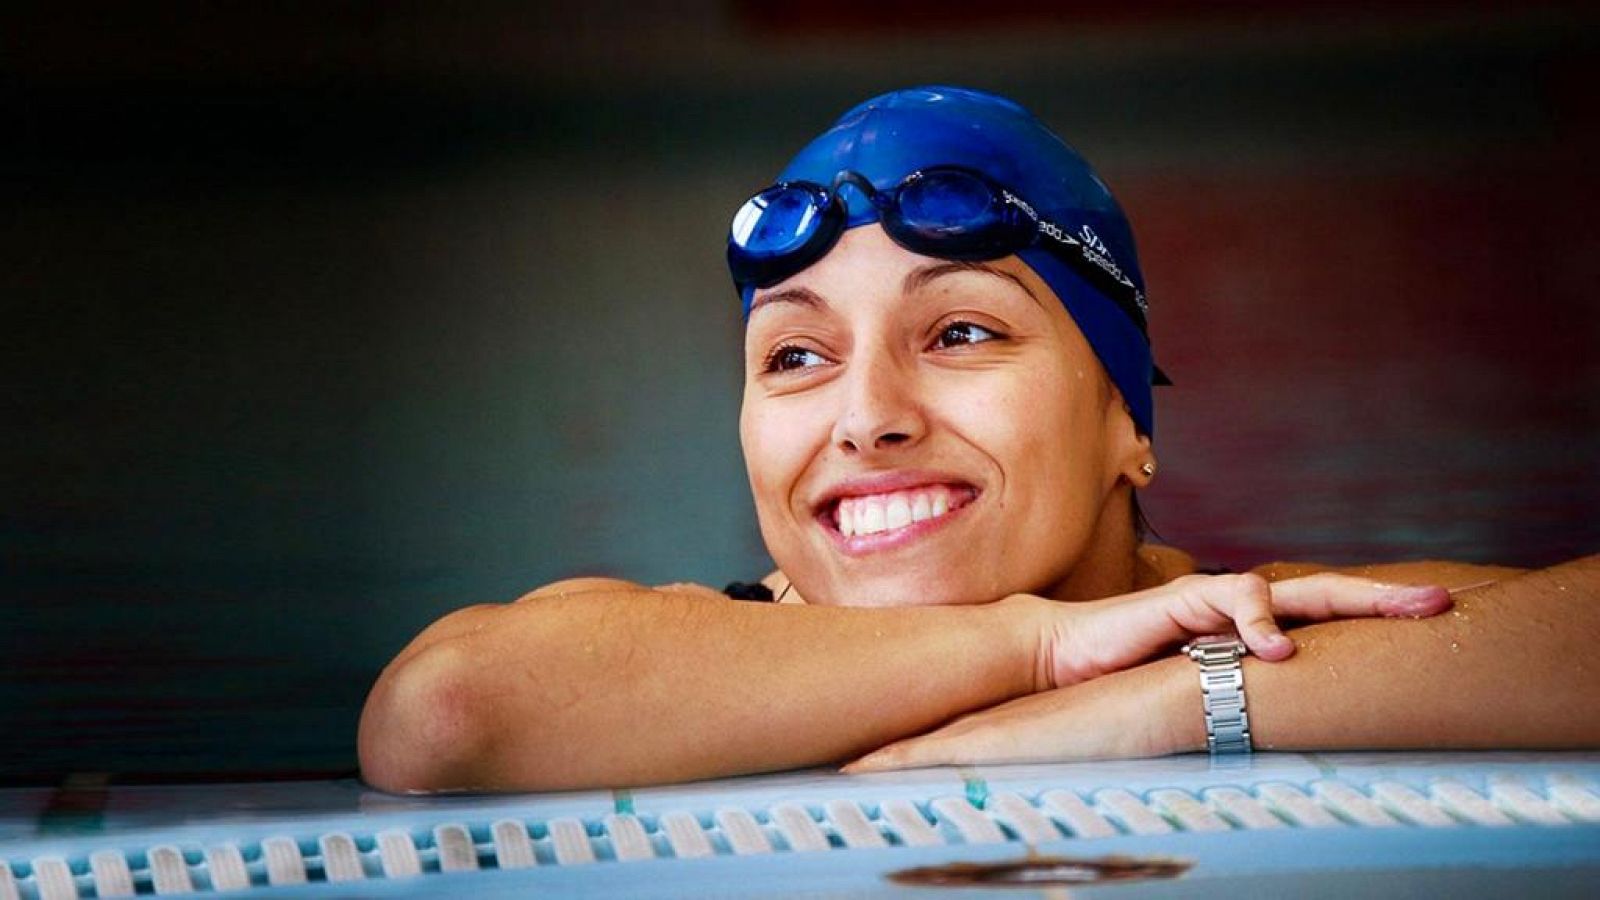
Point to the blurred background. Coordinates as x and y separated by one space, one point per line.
324 319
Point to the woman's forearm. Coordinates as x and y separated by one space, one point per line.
1512 666
624 687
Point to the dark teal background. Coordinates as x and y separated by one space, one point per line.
320 326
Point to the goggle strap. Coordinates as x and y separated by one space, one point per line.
1090 264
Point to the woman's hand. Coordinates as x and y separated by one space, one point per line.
1136 713
1080 641
1090 708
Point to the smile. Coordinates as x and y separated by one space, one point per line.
892 515
876 513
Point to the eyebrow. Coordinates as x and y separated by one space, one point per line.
919 278
800 295
915 280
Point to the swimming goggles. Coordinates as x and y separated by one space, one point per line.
946 212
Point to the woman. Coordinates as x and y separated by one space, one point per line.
947 412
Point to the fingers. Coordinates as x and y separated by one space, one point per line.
1242 603
932 749
1253 604
1417 602
1109 635
901 755
1248 601
1004 733
1035 728
959 743
1332 596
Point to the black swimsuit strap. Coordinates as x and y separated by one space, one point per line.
749 590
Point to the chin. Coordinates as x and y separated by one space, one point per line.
916 588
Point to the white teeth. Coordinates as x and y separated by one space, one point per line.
872 519
856 516
898 513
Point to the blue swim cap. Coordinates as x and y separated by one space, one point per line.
890 136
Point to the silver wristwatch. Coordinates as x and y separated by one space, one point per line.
1222 691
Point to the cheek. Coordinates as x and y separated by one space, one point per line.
1044 431
777 438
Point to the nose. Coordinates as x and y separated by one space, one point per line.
882 407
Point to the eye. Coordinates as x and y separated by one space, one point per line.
790 357
958 333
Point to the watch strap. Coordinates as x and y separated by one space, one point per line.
1222 693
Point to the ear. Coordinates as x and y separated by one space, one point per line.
1129 455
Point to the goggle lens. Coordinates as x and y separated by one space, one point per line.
948 204
956 215
779 220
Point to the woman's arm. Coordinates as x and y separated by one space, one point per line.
1511 666
601 682
623 685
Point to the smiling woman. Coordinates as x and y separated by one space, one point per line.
949 383
947 412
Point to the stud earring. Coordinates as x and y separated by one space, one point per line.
1149 469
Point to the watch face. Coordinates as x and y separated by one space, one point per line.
1214 642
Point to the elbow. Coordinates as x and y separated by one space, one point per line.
423 727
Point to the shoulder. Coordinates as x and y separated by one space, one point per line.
593 585
1445 573
1159 564
585 585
